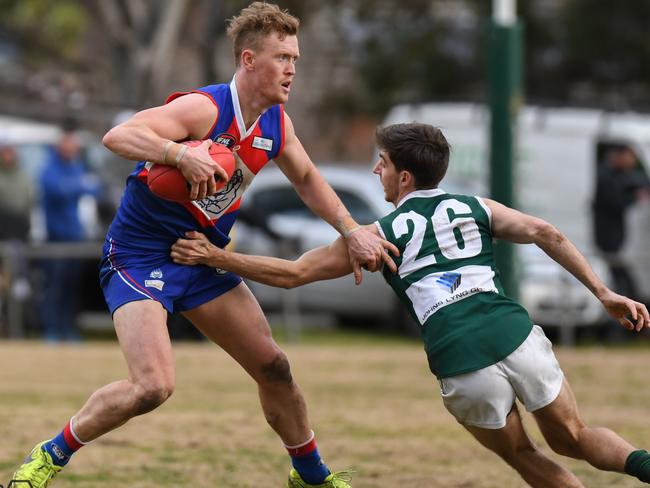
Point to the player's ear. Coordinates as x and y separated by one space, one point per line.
248 59
405 177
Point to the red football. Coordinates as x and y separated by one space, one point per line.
169 183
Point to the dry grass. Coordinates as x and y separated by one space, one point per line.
374 406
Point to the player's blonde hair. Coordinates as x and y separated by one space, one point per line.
257 21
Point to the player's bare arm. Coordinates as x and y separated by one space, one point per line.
322 263
149 136
511 225
364 247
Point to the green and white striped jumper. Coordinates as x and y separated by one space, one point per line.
448 279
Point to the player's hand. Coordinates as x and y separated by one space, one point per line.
194 249
630 314
369 251
199 169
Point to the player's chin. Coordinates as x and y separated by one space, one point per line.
280 99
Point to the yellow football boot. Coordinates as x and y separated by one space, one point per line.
36 471
335 480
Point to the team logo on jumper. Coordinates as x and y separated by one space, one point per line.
226 139
155 281
216 204
449 281
262 143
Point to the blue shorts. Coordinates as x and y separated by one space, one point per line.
129 276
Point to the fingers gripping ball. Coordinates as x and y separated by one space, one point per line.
169 183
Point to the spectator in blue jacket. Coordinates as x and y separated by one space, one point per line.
63 182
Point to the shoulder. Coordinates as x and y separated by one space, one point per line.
213 92
474 201
287 124
196 104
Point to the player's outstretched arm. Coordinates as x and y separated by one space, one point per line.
515 226
364 247
322 263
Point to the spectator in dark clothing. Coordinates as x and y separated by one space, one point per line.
621 182
63 182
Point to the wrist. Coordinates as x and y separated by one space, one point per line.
214 257
348 232
173 153
601 292
165 153
180 154
347 226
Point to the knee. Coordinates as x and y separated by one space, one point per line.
276 371
151 394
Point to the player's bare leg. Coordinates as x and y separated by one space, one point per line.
235 322
566 434
514 446
142 333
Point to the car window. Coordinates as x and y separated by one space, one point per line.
285 201
359 209
279 200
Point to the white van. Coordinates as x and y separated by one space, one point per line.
555 177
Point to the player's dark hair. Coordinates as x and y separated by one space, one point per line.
257 21
420 149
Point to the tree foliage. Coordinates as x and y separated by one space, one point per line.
45 29
372 53
607 43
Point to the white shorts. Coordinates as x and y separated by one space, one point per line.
484 398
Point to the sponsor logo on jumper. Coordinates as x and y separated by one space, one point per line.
453 298
226 139
449 281
156 274
220 271
262 143
157 284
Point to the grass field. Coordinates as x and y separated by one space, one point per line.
374 406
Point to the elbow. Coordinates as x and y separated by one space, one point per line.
110 139
288 283
295 276
115 138
547 234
